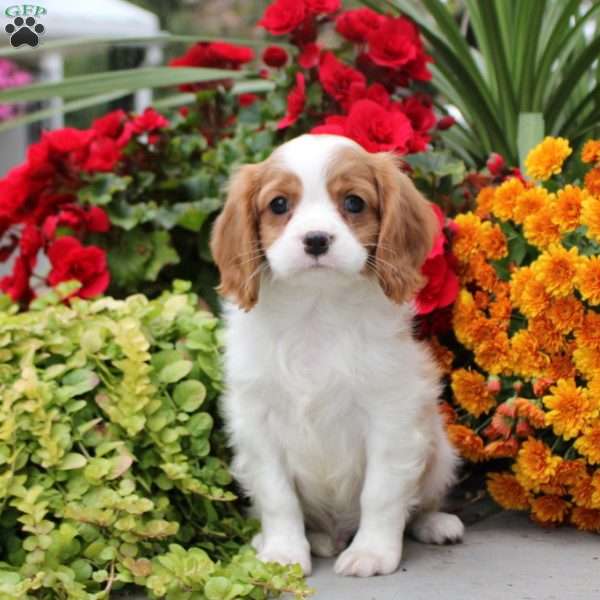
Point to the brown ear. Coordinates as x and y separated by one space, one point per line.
235 243
407 231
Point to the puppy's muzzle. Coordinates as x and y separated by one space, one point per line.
317 242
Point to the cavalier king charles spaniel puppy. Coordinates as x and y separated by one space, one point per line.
331 404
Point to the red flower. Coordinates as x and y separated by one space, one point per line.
357 25
418 110
87 264
77 219
110 124
283 16
334 125
295 103
274 56
323 7
16 285
149 120
496 164
446 122
395 43
339 80
104 154
30 243
309 55
247 99
68 139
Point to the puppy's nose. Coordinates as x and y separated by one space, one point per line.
317 242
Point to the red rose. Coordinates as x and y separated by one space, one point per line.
110 124
16 285
274 56
339 79
309 56
283 16
323 7
87 264
395 43
357 25
295 103
104 154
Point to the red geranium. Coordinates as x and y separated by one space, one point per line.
16 285
86 264
357 25
283 16
309 55
295 103
77 219
340 80
394 43
323 7
274 56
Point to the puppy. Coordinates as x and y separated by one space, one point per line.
331 404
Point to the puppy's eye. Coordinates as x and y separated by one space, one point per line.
354 204
279 205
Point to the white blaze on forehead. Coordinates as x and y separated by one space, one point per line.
309 156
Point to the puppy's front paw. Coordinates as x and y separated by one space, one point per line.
437 528
286 553
365 562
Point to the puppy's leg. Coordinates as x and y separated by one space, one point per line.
394 466
435 527
322 544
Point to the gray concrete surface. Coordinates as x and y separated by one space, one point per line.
503 557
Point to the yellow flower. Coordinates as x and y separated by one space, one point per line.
588 279
588 334
471 392
570 409
505 198
535 464
547 158
467 442
590 217
592 181
545 333
539 230
582 491
530 201
481 272
586 519
549 509
492 355
507 491
591 151
565 313
526 355
570 472
588 444
485 200
493 242
587 360
466 240
566 210
556 268
534 299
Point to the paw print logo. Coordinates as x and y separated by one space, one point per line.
24 31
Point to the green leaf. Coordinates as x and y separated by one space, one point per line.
78 382
73 460
175 371
189 395
531 132
163 254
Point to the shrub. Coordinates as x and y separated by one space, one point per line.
524 368
113 470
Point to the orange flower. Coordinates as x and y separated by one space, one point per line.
467 442
570 409
539 230
518 282
481 272
502 448
565 313
582 491
570 472
492 355
535 464
588 334
467 237
530 201
500 310
549 509
485 200
590 216
556 269
505 198
507 491
587 360
530 411
534 299
592 181
471 392
493 242
560 366
591 151
588 444
526 355
443 356
588 279
547 158
586 519
546 335
567 208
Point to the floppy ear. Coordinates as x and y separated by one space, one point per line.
407 231
235 243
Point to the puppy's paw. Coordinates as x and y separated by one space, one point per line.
437 528
286 553
365 562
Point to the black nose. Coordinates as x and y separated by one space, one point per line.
316 242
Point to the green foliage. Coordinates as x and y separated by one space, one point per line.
113 470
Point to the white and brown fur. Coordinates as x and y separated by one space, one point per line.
331 405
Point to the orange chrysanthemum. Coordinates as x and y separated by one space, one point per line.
502 448
565 313
485 200
471 392
481 272
567 208
582 491
556 269
588 279
548 509
560 366
530 201
570 409
586 519
588 333
547 158
588 444
534 299
507 491
535 464
467 442
592 181
587 360
493 242
526 409
540 230
546 334
570 472
526 355
590 217
468 235
493 354
505 198
591 151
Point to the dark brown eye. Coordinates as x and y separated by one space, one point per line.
279 205
354 204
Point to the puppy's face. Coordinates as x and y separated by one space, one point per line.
318 208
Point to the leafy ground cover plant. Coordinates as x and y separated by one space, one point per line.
524 364
112 465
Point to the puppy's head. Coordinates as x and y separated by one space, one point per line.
322 207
